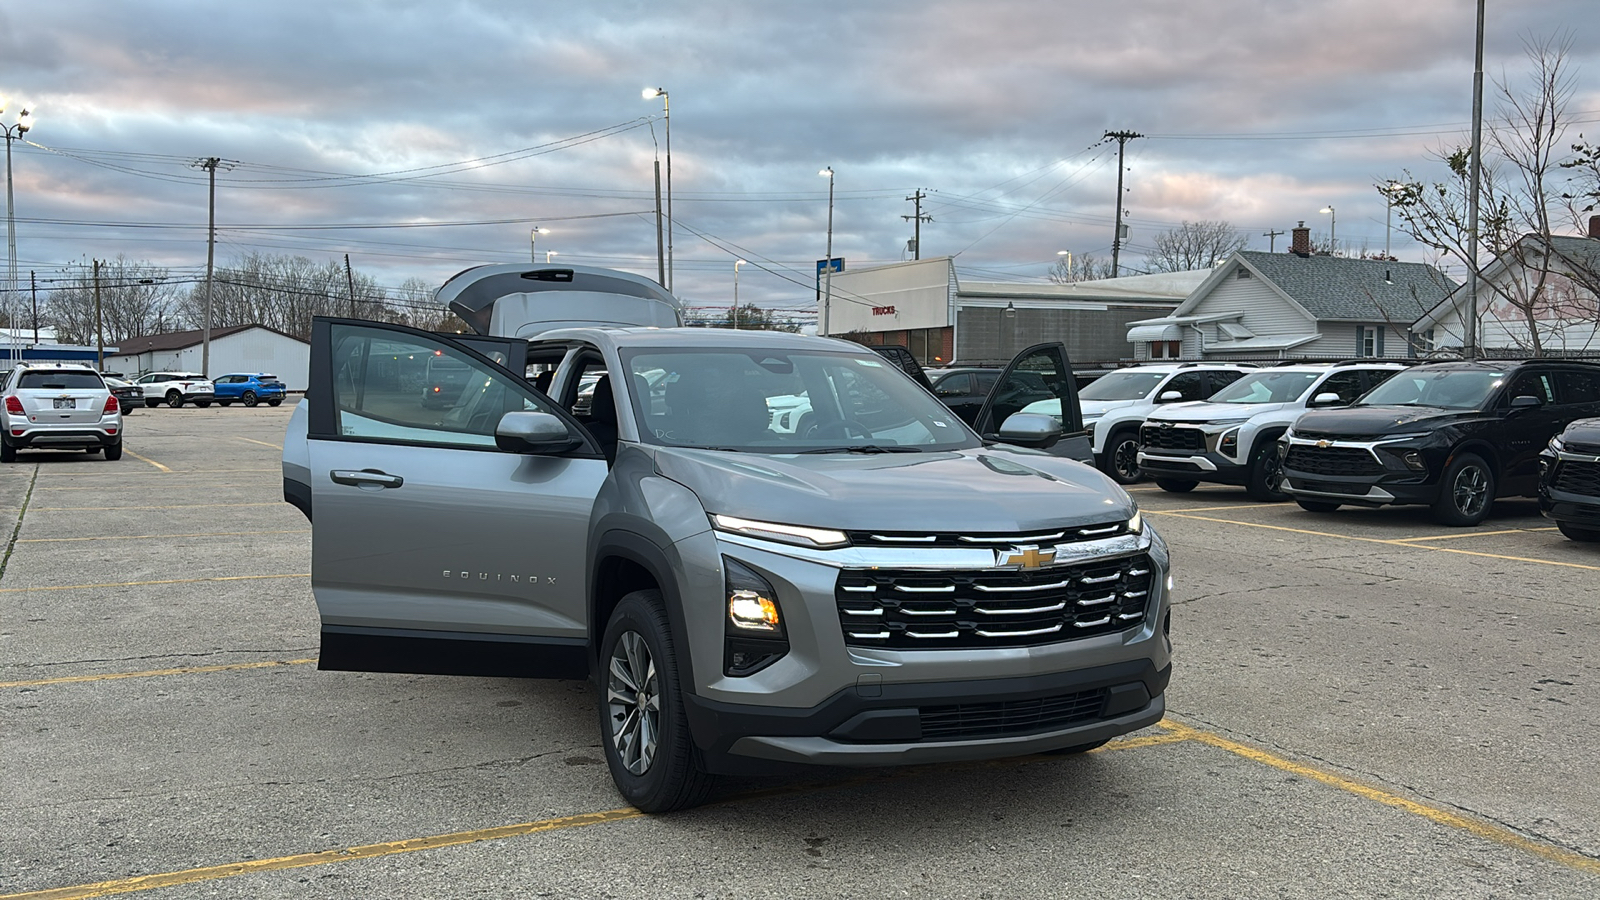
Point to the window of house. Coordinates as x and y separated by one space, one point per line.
1369 340
1166 349
1422 342
1235 331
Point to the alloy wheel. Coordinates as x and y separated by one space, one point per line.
634 701
1470 490
1125 460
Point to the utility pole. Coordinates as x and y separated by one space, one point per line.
1272 239
210 164
661 253
33 285
99 333
350 279
918 218
1470 344
1122 138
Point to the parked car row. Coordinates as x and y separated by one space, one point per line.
177 388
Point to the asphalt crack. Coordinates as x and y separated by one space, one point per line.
17 529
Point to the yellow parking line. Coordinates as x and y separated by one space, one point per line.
262 443
152 673
1188 509
1389 541
76 587
130 537
173 506
74 473
164 469
1468 534
434 842
1475 827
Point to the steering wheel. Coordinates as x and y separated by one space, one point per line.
840 428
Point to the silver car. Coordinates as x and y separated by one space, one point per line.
58 407
885 588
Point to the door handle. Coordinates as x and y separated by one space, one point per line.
366 477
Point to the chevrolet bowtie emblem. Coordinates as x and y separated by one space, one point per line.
1029 558
1323 445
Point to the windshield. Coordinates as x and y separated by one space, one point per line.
1267 387
1122 386
59 381
1447 389
785 401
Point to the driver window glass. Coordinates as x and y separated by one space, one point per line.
399 387
1536 385
1038 377
955 385
1347 385
1187 384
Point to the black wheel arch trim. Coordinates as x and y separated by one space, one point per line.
298 495
643 552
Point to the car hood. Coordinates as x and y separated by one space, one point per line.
1202 411
1094 409
1582 436
1378 420
979 490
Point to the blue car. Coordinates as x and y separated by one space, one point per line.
249 389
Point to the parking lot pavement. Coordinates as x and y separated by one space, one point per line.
1363 705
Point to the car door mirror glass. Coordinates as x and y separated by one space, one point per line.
1525 401
533 432
1031 430
1170 397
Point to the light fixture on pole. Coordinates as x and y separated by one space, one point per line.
533 238
827 260
666 115
13 131
736 264
1333 229
1067 256
547 255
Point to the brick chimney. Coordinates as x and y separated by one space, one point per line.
1300 242
1594 227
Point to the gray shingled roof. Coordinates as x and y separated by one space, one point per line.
1370 290
178 340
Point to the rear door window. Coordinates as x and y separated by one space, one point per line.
59 380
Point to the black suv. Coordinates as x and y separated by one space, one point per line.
1569 480
1452 435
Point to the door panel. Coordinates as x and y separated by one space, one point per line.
424 527
1039 379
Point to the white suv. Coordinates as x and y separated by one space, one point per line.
1233 437
176 389
58 407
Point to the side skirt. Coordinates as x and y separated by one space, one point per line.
356 649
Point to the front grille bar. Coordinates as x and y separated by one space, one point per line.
941 589
1014 539
989 589
1104 621
1016 634
1057 607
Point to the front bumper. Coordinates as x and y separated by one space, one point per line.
1557 498
1209 466
905 724
1382 478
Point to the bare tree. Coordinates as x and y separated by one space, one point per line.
1085 267
284 293
136 299
1520 202
1194 245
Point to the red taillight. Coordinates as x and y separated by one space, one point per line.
14 405
111 431
111 404
435 390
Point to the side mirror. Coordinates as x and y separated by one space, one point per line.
1170 397
1035 430
533 432
1526 401
1326 398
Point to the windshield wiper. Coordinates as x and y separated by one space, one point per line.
863 448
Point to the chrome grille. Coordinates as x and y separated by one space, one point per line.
1156 437
918 610
1577 477
972 720
1314 460
1041 537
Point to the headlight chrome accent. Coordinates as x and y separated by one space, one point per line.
798 535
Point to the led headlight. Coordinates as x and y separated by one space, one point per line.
1557 444
754 636
1135 525
798 535
1229 444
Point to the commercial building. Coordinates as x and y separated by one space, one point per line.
240 348
948 317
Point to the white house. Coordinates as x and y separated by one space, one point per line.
1545 285
1296 305
240 348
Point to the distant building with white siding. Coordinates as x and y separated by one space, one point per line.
240 348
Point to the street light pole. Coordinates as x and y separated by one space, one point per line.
13 131
547 255
1333 229
736 264
827 260
533 238
666 115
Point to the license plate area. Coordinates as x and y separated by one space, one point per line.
66 403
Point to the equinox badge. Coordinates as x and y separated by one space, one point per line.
1026 557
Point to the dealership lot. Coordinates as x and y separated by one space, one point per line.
1364 704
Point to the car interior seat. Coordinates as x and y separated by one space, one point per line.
602 418
713 409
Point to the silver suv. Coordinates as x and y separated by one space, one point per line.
1233 437
883 588
58 407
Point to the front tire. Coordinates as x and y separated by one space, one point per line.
1176 485
643 726
1466 492
1266 474
1573 532
1121 459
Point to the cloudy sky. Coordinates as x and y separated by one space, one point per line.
425 137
